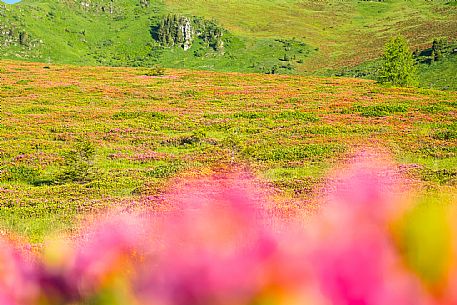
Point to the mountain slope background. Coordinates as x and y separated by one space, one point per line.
268 36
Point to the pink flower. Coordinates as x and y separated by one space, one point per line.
104 253
17 277
219 249
219 245
353 254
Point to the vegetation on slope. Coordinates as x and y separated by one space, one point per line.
126 33
398 67
436 66
346 33
104 135
279 36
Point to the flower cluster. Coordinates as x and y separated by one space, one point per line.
225 248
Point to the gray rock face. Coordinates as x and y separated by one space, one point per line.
187 32
175 30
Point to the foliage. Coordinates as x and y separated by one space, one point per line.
79 163
117 33
150 131
398 66
210 32
156 70
221 245
439 48
182 31
433 71
343 34
440 74
164 171
172 30
23 38
379 110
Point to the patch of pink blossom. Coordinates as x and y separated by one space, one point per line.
220 245
18 282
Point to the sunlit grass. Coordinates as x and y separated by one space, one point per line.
288 130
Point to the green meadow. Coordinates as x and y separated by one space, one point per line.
78 140
279 36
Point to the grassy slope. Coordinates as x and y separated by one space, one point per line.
73 35
439 75
123 39
344 33
290 130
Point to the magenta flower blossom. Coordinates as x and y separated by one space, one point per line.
223 248
354 256
220 245
18 284
105 250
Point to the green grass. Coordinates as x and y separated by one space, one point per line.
345 33
312 152
380 110
67 33
145 131
241 55
440 74
437 75
261 36
315 36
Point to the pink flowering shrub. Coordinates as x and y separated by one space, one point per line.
222 246
18 282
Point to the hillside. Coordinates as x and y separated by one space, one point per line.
279 36
105 136
228 152
432 72
345 33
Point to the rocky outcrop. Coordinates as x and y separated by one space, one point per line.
10 35
174 30
186 30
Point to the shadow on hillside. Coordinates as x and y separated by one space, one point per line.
154 31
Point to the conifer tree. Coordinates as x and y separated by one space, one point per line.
439 47
398 66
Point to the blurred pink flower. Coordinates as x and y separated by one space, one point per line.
221 246
218 249
353 253
105 250
18 284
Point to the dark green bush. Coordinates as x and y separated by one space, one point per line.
379 110
441 176
297 115
22 173
79 164
155 71
164 170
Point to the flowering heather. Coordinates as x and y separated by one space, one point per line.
143 132
221 246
